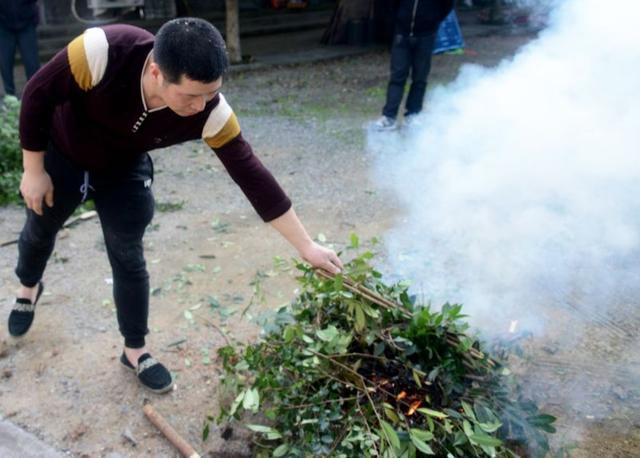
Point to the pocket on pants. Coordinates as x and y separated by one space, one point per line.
141 170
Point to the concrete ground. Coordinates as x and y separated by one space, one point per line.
17 443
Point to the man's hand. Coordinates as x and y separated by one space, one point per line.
35 187
318 256
322 257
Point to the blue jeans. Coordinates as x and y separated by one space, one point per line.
408 54
26 40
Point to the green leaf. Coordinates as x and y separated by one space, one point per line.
490 451
269 432
490 427
542 419
544 422
421 434
430 424
421 445
448 427
390 434
485 439
370 311
390 412
460 438
432 413
251 400
416 378
468 430
236 403
213 302
309 421
468 410
281 450
355 241
327 334
289 333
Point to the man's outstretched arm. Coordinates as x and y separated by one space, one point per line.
291 228
222 134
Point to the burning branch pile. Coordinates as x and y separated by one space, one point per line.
355 368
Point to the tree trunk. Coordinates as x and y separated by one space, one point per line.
346 12
233 32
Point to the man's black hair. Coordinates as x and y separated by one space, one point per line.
192 47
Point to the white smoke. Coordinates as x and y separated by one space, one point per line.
523 188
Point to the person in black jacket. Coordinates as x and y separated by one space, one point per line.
416 25
18 21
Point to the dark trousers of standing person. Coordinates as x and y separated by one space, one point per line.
408 55
26 40
125 206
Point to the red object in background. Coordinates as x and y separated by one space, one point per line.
277 4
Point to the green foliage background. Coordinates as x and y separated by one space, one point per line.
10 152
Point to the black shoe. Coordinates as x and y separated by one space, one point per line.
151 374
23 312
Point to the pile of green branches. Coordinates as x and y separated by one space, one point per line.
355 368
10 152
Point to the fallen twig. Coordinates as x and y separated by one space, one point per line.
214 326
176 343
76 219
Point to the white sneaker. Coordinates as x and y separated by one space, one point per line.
385 123
411 121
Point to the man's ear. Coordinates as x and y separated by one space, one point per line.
154 70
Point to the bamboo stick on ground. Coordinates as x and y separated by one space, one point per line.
172 436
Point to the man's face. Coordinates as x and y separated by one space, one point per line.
188 97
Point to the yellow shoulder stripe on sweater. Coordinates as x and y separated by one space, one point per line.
88 55
221 126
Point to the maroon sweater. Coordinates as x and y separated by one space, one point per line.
88 101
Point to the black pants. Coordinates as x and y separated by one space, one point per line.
408 54
27 41
125 206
